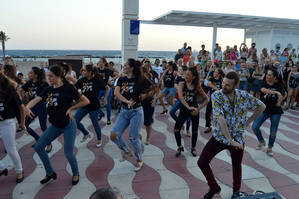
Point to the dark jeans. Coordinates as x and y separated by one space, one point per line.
208 114
102 93
80 114
212 148
39 110
183 116
274 118
177 105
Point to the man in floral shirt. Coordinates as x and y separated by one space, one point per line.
230 107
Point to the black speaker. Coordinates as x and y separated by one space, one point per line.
75 61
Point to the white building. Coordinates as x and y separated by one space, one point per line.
266 32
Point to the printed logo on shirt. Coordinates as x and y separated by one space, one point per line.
86 87
124 88
52 100
32 92
187 97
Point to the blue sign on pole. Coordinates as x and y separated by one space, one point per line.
134 27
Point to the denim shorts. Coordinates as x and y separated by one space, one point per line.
171 91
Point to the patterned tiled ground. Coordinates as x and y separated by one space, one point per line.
163 175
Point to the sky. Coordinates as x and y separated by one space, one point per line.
96 24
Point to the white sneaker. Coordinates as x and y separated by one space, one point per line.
260 145
85 137
99 143
138 165
269 152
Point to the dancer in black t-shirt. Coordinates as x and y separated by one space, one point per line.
32 88
10 106
214 84
190 94
272 95
90 85
59 99
130 91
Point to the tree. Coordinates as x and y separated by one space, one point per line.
3 38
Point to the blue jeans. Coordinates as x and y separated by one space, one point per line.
177 105
243 85
39 110
274 118
81 112
134 118
171 91
101 94
69 135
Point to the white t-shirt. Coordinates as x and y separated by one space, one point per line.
157 69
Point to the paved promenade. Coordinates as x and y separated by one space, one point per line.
163 175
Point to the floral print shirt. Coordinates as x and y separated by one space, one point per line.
235 114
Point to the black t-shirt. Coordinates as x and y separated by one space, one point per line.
169 80
91 88
154 76
106 73
179 79
58 101
9 108
131 89
270 101
190 96
216 82
34 89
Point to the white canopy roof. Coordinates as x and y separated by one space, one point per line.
206 19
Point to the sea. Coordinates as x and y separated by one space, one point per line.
111 55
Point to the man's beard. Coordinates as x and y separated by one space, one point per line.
226 91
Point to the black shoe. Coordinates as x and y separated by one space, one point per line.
74 182
19 180
48 178
108 122
180 149
236 195
49 148
101 116
4 172
211 193
193 152
208 130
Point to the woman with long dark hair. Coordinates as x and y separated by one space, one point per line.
10 106
32 88
167 80
106 73
90 85
214 84
292 86
10 72
147 98
190 93
130 91
59 99
272 94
